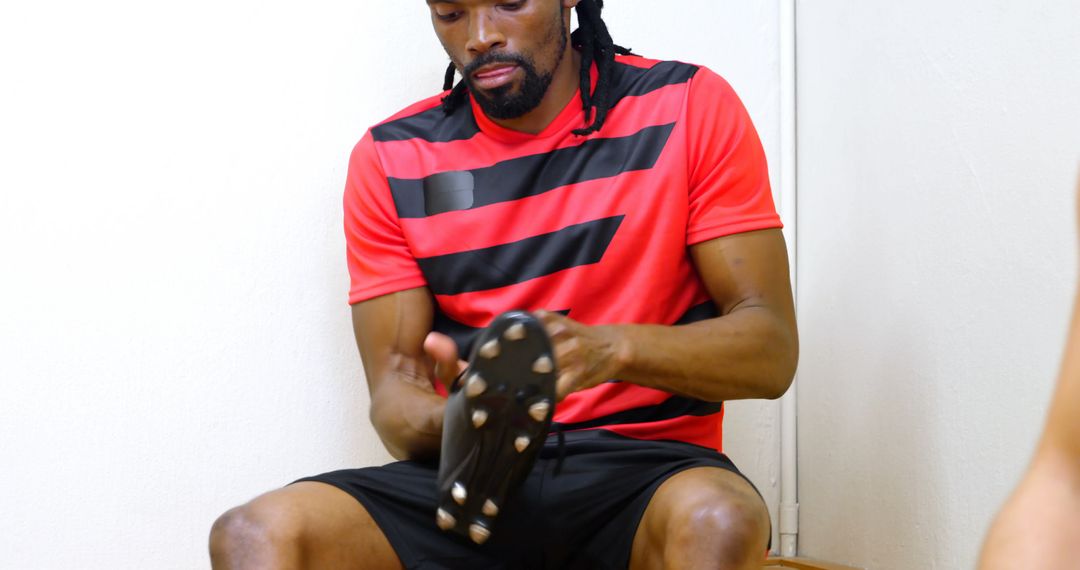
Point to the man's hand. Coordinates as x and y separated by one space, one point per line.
586 356
443 352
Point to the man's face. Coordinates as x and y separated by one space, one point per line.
506 51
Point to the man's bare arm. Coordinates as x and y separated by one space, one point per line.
405 409
750 351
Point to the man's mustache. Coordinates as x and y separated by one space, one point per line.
490 58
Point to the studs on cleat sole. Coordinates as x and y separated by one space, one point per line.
539 410
459 493
475 386
490 349
445 520
521 443
543 365
479 418
478 533
515 331
490 508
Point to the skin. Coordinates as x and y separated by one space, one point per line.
699 518
469 28
1039 527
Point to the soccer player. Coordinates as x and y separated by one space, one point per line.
1039 527
625 203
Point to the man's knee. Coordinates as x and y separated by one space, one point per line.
734 528
256 533
709 516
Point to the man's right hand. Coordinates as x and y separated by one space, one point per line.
443 351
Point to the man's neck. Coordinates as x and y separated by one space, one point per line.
563 86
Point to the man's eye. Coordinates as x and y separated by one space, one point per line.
448 16
512 6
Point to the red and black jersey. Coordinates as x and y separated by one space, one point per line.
596 227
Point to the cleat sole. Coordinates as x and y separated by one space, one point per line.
508 390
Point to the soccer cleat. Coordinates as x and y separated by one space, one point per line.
444 520
490 349
459 493
494 420
539 411
475 386
543 365
515 331
478 533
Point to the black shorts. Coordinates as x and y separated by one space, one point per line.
582 517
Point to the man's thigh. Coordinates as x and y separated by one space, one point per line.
702 517
303 525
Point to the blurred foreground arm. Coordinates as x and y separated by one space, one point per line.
1039 527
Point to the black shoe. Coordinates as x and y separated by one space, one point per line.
497 419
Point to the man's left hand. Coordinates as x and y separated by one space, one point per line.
585 355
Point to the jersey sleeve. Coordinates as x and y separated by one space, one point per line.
379 258
729 177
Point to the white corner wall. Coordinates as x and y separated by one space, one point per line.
174 337
938 150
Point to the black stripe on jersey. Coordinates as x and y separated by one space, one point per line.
515 262
432 125
463 334
700 312
631 81
538 173
673 407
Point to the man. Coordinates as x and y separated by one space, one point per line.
1039 527
625 202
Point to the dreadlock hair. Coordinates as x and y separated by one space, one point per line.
594 42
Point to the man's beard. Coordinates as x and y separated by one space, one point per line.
499 103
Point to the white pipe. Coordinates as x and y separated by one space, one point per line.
789 498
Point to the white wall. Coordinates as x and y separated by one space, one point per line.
938 150
173 326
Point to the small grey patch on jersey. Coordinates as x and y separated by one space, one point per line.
448 192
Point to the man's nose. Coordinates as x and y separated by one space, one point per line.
484 34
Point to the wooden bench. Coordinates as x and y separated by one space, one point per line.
802 564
